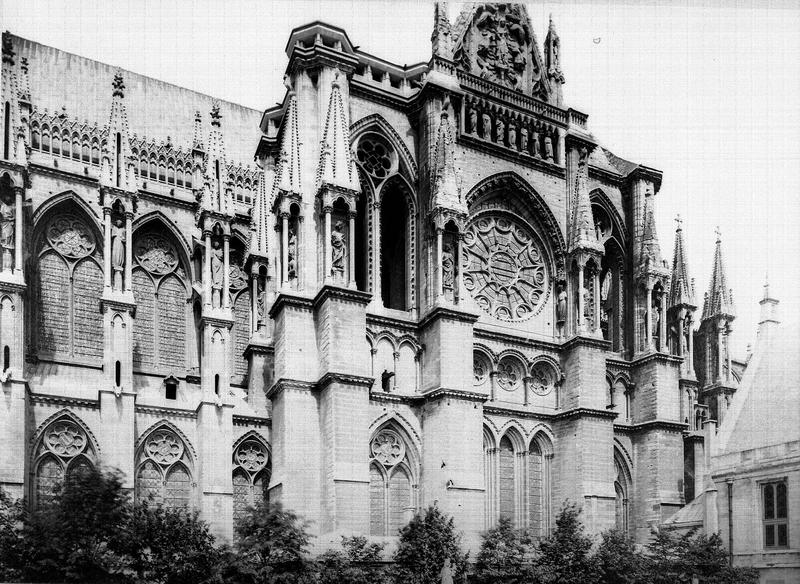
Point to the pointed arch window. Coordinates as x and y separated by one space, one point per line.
391 483
161 289
540 503
63 448
622 485
251 474
69 288
240 301
164 470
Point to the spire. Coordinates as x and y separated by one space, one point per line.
719 298
651 249
25 81
336 161
552 61
117 168
681 289
217 194
287 175
197 140
769 306
10 93
582 230
259 222
446 193
441 38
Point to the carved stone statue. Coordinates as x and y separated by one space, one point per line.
523 139
473 121
217 264
656 312
386 380
487 126
117 252
7 227
548 147
512 136
262 303
446 575
337 247
448 267
501 131
536 144
502 41
561 306
292 255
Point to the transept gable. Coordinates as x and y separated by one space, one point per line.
496 42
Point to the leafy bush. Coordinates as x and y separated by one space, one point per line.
505 555
359 562
565 555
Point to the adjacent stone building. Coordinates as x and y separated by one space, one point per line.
404 285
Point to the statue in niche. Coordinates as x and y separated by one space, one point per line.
337 247
487 126
561 304
548 148
587 305
523 139
687 330
656 313
118 243
601 229
7 229
512 136
473 121
501 131
262 303
292 254
217 265
448 267
605 304
536 144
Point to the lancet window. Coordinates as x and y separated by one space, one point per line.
392 483
69 288
241 304
251 473
164 470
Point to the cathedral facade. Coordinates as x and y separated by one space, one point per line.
401 286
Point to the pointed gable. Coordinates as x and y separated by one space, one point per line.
117 167
582 234
719 298
287 174
446 193
259 223
442 37
651 249
336 165
681 286
496 42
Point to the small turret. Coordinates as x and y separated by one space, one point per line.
117 168
441 38
552 62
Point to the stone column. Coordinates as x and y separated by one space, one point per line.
226 284
254 302
439 283
457 268
18 226
648 319
107 247
681 350
728 353
376 250
128 252
207 270
662 328
492 385
596 298
719 352
581 309
284 248
351 249
300 254
527 386
326 246
690 349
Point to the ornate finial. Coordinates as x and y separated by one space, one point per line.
215 115
679 222
719 234
8 50
118 84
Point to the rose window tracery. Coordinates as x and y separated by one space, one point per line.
542 379
504 268
156 255
251 456
509 374
375 157
481 368
65 438
70 237
388 448
164 447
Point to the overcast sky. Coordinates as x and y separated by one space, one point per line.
708 93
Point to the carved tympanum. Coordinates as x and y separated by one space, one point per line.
504 268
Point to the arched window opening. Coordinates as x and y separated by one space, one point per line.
163 470
507 475
217 177
76 147
490 478
362 247
95 153
45 139
394 247
216 384
657 314
6 358
69 288
241 303
162 170
251 474
35 138
61 449
118 373
85 153
7 131
171 389
622 485
65 146
612 285
540 504
392 486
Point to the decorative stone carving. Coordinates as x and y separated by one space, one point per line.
164 447
487 126
542 379
70 237
561 306
448 268
504 268
338 247
118 244
388 448
481 368
156 255
292 253
376 157
509 374
65 438
7 229
237 279
251 456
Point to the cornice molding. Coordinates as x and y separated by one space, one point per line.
59 400
241 420
581 341
285 300
164 411
345 378
447 313
329 291
654 356
490 335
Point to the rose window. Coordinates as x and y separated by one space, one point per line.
542 379
481 368
504 268
164 447
65 439
509 374
387 448
155 255
251 456
375 158
70 237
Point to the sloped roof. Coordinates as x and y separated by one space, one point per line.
689 515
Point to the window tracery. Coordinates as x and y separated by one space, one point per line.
63 449
163 470
504 268
376 157
392 497
481 368
251 473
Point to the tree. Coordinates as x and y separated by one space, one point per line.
11 517
272 545
618 560
172 546
505 554
565 555
425 542
358 562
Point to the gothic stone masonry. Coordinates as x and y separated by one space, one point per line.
433 286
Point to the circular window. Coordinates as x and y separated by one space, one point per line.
481 368
376 157
509 374
504 268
